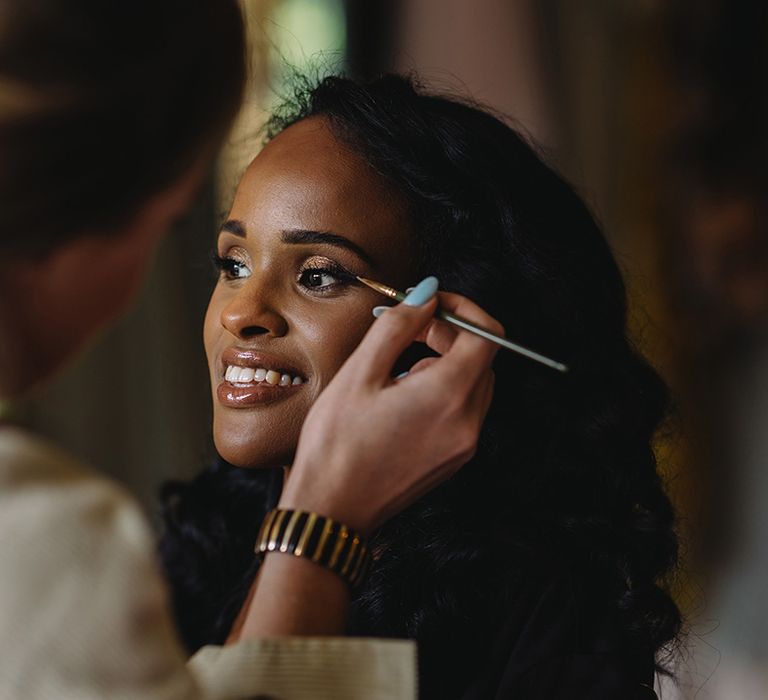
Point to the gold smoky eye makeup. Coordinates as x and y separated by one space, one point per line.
316 275
320 274
231 266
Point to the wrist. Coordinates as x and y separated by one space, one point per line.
322 540
293 596
327 507
303 490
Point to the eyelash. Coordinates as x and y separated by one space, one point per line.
226 266
229 268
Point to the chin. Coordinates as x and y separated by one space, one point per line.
257 438
239 451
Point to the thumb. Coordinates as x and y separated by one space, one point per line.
393 332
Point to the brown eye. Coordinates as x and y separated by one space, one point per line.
318 277
315 279
231 268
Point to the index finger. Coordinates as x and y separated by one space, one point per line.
387 338
465 352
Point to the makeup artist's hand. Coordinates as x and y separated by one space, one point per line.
372 445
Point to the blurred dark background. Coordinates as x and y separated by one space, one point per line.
656 111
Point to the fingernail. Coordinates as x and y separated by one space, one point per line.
422 292
403 374
378 310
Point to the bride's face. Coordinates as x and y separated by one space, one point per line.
282 319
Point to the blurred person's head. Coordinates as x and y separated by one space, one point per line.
109 116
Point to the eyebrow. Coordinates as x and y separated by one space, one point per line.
303 237
234 226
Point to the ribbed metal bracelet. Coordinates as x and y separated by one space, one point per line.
326 542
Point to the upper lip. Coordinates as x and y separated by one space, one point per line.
257 358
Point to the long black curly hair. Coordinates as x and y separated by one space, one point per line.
564 480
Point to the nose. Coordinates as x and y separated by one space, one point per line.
254 311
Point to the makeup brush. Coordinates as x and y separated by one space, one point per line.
471 327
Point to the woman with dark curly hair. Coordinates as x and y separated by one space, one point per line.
535 571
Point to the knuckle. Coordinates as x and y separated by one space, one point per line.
473 311
470 438
465 437
492 324
463 457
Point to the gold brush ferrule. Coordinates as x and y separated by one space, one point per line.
379 287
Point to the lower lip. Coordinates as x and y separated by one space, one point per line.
253 395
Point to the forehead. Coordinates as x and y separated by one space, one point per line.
306 178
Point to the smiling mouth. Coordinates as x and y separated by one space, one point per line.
253 376
246 387
248 378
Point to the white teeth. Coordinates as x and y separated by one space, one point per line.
249 375
246 375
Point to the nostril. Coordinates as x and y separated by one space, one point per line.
251 331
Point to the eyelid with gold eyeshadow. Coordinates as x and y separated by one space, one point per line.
321 264
327 264
226 264
229 263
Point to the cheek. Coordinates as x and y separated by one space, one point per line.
210 324
212 327
324 334
334 335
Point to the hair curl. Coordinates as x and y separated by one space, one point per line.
564 479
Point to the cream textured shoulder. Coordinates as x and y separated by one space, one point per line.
84 613
83 609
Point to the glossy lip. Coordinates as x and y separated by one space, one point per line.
245 396
255 359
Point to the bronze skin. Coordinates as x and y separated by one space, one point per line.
283 301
